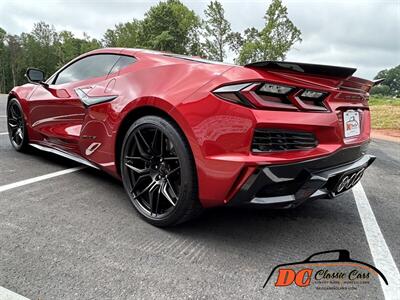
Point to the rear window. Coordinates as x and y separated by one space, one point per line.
122 62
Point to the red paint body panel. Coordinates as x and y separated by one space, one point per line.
219 132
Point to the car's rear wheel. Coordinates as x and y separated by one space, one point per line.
158 172
16 126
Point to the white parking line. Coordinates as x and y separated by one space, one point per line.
10 295
3 133
39 178
380 252
4 293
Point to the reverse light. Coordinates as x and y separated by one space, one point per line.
312 94
275 89
311 100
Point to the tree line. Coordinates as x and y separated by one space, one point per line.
391 85
167 26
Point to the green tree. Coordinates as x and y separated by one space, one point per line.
170 26
110 38
380 90
44 39
3 60
237 41
67 47
39 48
10 60
391 85
15 58
88 44
274 40
217 31
195 46
124 35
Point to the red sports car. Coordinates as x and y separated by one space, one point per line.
185 133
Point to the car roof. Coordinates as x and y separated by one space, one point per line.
148 53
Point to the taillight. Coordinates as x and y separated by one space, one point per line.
262 95
275 89
232 93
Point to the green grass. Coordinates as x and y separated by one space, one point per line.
384 101
385 113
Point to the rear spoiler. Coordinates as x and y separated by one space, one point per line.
310 69
377 81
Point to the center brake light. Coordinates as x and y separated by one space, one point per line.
262 95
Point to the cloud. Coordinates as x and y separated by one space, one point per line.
362 34
359 33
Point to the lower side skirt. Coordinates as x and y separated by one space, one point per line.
65 154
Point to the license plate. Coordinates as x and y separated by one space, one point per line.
348 180
351 120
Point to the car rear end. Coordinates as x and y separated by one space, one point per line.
295 132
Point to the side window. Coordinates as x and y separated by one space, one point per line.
122 62
88 67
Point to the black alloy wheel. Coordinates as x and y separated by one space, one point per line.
158 172
16 125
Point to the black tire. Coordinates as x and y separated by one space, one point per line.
158 172
16 125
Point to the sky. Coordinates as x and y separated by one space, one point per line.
356 33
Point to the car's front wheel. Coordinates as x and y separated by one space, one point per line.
158 172
16 126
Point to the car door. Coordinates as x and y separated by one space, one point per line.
57 112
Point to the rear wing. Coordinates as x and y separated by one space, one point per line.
309 69
378 81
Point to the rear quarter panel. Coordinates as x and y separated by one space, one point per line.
155 83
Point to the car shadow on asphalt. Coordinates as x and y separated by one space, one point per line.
239 222
248 215
242 216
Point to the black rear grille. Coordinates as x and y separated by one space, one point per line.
269 140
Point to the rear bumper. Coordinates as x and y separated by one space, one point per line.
292 184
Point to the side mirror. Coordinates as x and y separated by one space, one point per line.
35 76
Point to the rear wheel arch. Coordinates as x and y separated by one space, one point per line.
137 113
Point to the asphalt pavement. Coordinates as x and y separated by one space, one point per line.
77 236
